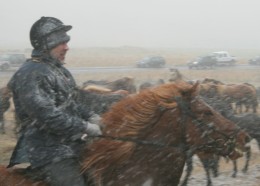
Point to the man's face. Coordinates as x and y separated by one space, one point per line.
59 52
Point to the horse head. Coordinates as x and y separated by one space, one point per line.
219 135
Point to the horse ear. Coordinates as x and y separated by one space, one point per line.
195 88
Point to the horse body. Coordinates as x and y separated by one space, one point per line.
99 100
240 94
5 95
147 136
150 84
250 100
125 83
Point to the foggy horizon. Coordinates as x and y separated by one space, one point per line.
154 23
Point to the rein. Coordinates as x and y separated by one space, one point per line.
139 142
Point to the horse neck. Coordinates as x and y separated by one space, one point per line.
167 129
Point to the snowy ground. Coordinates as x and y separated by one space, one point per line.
251 178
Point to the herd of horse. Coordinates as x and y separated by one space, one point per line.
151 134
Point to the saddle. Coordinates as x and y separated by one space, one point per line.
28 173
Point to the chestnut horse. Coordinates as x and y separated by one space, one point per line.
147 135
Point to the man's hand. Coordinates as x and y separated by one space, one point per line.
93 129
96 119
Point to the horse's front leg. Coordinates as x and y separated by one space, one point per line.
189 169
248 156
235 168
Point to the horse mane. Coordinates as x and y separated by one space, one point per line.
140 108
127 118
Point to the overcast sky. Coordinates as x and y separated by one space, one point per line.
141 23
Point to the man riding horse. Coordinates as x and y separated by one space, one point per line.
53 125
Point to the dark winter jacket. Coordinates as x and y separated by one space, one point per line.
51 122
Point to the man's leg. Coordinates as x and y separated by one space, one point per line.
64 173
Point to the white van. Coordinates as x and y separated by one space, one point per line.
224 58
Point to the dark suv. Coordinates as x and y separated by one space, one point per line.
254 61
203 62
151 62
11 60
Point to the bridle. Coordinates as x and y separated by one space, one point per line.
229 141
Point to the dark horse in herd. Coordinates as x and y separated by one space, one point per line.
147 136
5 96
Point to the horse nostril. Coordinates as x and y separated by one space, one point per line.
220 143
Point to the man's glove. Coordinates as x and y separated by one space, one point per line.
93 129
95 118
90 130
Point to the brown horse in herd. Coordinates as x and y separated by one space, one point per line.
147 135
241 94
125 83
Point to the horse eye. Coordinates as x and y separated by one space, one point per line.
208 113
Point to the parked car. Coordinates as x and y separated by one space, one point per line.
151 62
224 58
11 60
4 64
203 62
254 61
